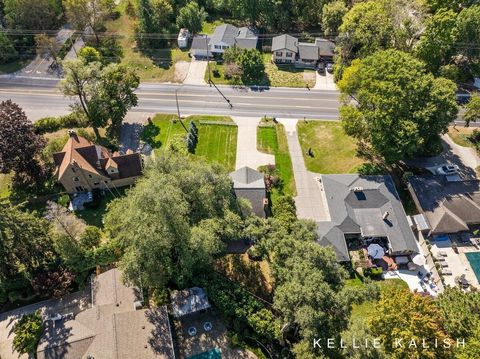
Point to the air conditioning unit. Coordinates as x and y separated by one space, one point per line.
265 202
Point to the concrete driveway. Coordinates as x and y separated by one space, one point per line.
247 153
324 81
196 73
310 200
465 158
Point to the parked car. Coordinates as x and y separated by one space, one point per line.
321 68
330 68
447 170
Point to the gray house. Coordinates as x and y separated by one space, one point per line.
225 36
449 207
366 208
286 49
250 184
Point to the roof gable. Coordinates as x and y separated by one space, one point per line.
247 177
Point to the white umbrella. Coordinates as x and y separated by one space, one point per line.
419 260
375 251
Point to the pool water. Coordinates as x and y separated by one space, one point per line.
211 354
474 260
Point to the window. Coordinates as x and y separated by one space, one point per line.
217 46
90 176
96 183
278 53
76 179
289 54
73 170
225 47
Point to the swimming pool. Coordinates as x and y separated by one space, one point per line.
474 260
215 353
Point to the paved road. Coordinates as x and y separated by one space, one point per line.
40 98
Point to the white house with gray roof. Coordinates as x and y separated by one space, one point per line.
225 36
367 208
286 49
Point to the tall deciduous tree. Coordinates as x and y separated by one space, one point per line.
398 109
47 46
7 50
468 25
27 332
437 44
31 14
156 223
20 146
104 94
191 16
332 15
88 15
406 316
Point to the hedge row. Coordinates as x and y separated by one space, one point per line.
52 124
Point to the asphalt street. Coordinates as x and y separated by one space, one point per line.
40 98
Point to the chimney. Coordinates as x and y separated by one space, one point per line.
71 132
385 215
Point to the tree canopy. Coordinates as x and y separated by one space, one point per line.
104 94
27 332
393 107
405 316
159 224
191 16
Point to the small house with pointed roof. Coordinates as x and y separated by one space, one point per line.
83 166
250 184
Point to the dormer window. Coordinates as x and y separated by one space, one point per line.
76 179
90 176
73 170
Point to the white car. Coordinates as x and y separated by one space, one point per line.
447 170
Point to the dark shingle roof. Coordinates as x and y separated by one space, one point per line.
247 177
361 212
284 42
199 43
225 33
326 47
307 51
449 206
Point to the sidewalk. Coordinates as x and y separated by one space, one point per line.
309 199
77 46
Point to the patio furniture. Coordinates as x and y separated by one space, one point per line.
441 259
443 264
207 326
446 272
419 260
443 253
375 251
192 331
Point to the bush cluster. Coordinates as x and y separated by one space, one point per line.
52 124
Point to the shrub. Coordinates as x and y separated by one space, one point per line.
64 200
52 124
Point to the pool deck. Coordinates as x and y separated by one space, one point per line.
457 263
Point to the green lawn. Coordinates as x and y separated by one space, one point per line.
275 76
273 140
154 65
460 135
94 217
208 27
216 142
333 150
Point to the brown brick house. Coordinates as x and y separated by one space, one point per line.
83 166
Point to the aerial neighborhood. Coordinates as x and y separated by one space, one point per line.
239 179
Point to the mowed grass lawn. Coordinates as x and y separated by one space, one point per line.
272 139
217 142
333 150
275 76
154 65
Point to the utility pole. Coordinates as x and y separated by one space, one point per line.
226 99
208 61
178 111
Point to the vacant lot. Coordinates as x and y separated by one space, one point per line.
333 151
272 139
154 65
217 137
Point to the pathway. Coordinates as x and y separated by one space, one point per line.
324 81
196 73
309 199
247 153
77 46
